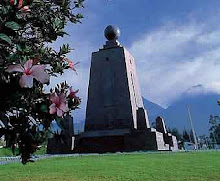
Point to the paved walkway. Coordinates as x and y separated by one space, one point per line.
13 159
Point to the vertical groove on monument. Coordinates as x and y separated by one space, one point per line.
114 93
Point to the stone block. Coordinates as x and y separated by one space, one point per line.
160 125
171 141
60 145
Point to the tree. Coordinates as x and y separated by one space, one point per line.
186 136
215 134
26 64
175 132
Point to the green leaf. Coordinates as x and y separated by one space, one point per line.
12 25
56 23
43 108
36 1
79 16
19 16
1 20
15 2
5 38
13 57
61 33
27 49
19 48
64 49
4 10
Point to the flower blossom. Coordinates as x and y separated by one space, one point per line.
71 64
30 72
19 3
22 5
72 93
25 9
59 104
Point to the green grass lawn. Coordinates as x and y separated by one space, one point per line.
8 152
164 166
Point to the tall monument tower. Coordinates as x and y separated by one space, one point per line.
115 116
114 97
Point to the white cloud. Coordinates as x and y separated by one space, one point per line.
210 39
171 59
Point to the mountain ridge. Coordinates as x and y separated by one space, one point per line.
201 105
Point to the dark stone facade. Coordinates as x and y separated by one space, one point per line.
122 141
115 116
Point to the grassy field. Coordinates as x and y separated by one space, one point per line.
156 166
8 152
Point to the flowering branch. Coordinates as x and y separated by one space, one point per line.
26 65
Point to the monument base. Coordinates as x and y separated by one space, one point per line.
171 141
60 145
121 140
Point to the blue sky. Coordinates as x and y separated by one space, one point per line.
175 43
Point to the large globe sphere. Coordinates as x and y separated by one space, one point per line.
112 32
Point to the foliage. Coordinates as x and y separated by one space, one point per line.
7 151
176 133
215 128
185 136
26 63
215 133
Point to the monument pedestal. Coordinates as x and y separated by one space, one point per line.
168 137
171 141
121 140
59 145
63 142
148 139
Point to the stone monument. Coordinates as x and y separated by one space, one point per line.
115 116
114 98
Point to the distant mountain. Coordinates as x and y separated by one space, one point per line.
152 109
201 104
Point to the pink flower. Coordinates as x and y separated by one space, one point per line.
12 2
20 4
59 104
25 9
71 64
30 72
72 93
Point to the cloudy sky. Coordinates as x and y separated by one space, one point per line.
175 43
